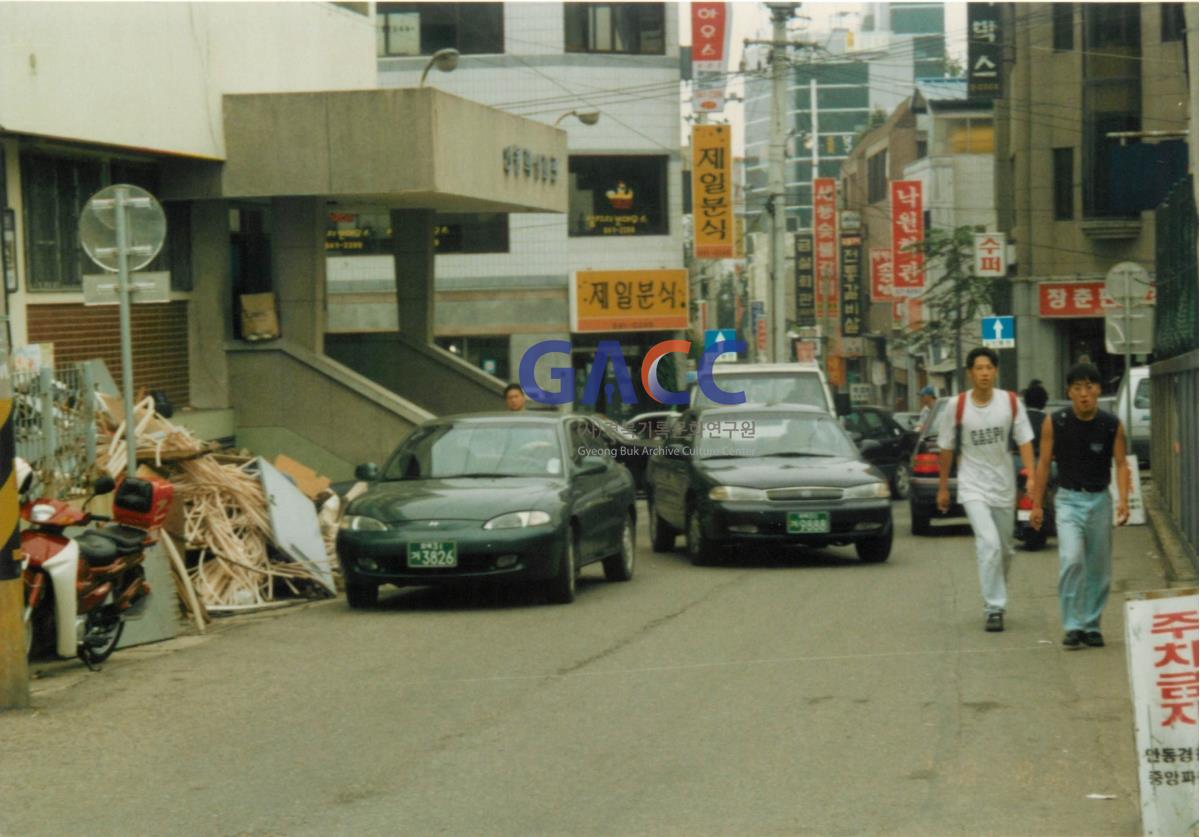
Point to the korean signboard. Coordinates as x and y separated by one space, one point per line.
1079 299
629 300
983 50
850 254
806 303
825 245
1162 640
990 258
908 231
710 48
881 274
712 192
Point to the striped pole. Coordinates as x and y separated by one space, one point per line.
14 667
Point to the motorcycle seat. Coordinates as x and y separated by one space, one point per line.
103 546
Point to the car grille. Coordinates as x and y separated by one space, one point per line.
804 493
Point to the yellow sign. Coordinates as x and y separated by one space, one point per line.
712 192
630 300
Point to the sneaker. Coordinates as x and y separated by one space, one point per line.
995 622
1073 641
1094 639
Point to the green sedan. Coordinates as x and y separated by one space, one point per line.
516 497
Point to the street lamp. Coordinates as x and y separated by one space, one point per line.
444 59
587 117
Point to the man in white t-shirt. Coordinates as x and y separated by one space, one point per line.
981 422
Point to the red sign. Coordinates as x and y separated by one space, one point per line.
825 245
761 334
1079 299
881 274
710 31
908 231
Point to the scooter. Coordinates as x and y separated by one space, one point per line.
79 590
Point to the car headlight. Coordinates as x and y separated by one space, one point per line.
359 523
868 491
518 520
725 493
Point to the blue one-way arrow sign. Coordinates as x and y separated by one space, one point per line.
999 332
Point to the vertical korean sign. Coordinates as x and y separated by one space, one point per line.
881 274
825 244
710 47
1162 648
806 303
908 231
712 192
990 255
983 50
850 252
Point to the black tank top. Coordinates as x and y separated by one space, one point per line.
1084 449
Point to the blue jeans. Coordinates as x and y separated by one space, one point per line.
1084 522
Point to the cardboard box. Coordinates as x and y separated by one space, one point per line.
259 321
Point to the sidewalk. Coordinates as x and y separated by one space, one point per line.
1179 566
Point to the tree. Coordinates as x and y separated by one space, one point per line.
954 295
953 68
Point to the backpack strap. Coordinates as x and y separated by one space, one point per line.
958 415
1012 401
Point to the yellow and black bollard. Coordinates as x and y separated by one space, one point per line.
14 667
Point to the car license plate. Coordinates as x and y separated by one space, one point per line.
1023 515
433 554
808 523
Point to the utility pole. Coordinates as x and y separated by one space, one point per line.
780 14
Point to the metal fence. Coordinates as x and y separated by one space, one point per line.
1173 449
55 427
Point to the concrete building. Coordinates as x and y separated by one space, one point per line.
249 121
1074 200
503 282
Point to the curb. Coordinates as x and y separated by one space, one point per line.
1178 565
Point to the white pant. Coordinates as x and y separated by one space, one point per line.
993 526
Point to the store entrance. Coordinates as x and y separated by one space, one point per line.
1085 342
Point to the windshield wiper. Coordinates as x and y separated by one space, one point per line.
727 456
479 475
797 453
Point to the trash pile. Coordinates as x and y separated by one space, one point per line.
232 543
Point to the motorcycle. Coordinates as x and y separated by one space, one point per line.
80 589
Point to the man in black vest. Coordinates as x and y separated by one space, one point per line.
1084 441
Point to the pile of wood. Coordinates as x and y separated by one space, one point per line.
220 515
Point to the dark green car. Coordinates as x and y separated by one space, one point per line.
490 497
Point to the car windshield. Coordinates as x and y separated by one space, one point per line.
756 434
781 388
442 451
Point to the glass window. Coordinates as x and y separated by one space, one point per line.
877 179
1173 23
1064 184
369 233
1064 26
612 195
627 28
475 449
1111 97
812 435
424 28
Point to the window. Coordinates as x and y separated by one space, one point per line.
1064 184
1111 98
424 28
483 232
370 233
56 189
1173 23
488 353
627 28
877 179
1064 26
612 195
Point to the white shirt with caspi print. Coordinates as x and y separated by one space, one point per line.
985 471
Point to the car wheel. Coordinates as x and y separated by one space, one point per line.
875 550
920 520
900 481
561 588
619 567
360 596
662 536
699 550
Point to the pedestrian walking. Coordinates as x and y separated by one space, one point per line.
978 427
928 399
1035 407
514 398
1084 442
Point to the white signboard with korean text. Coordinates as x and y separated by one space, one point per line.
1162 646
990 255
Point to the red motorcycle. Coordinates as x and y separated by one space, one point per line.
80 589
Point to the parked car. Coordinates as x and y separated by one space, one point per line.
652 426
506 497
783 475
769 383
625 446
908 421
884 443
1137 382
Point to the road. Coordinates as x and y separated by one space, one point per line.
806 695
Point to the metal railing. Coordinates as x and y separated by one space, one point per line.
1173 445
54 425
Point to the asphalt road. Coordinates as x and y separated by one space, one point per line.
804 694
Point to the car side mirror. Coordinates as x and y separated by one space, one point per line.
593 465
368 472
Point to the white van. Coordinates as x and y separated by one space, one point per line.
770 383
1139 433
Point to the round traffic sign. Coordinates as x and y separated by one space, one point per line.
1126 279
144 222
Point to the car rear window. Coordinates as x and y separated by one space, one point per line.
779 388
